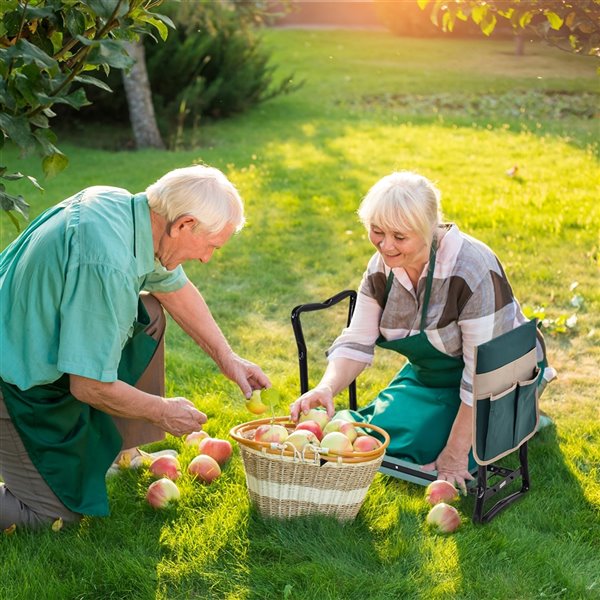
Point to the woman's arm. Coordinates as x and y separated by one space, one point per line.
190 311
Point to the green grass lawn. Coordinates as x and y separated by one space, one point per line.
462 113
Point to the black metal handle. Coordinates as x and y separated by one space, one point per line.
301 344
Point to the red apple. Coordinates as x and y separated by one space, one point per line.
342 426
440 491
194 438
161 493
315 414
219 449
444 518
366 443
271 433
311 426
336 442
165 466
301 438
205 468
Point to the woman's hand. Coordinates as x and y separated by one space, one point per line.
452 465
319 396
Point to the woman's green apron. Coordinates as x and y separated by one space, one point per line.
72 444
419 405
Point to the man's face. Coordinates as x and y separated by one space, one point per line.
179 243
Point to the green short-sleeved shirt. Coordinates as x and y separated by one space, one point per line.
69 287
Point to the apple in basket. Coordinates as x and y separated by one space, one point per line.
161 493
365 443
440 491
337 442
165 466
315 414
218 449
271 433
194 438
205 468
443 518
342 426
301 438
311 426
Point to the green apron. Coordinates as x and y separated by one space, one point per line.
419 405
72 444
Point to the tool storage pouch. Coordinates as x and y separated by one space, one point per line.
505 411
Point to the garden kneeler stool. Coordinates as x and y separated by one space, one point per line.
505 411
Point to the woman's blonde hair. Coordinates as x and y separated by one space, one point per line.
201 192
403 201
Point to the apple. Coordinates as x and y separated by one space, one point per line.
342 426
218 449
205 468
315 414
271 433
165 466
337 442
311 426
161 493
194 438
444 518
255 404
440 491
366 443
301 438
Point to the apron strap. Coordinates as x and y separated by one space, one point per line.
390 280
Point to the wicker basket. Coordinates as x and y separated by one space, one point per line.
283 483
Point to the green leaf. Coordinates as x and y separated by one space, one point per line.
34 182
555 20
29 53
76 99
18 130
525 19
53 164
162 29
488 23
422 3
93 81
478 13
112 53
105 8
74 21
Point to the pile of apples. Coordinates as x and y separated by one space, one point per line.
205 467
443 517
316 429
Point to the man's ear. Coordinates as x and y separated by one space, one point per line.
179 225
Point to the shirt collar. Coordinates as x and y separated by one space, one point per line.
144 245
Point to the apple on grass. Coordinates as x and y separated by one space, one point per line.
311 426
342 426
440 491
161 493
165 466
218 449
366 443
194 438
443 518
336 442
300 438
271 433
315 414
205 468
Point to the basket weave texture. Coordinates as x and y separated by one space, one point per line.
282 484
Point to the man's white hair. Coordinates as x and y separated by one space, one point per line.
201 192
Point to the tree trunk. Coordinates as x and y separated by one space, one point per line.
139 100
519 44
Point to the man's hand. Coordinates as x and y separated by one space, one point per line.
179 417
246 374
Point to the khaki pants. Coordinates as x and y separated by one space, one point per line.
25 498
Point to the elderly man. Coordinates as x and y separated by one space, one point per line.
81 354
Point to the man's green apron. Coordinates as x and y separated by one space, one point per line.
72 444
419 405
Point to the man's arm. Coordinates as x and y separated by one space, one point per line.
188 308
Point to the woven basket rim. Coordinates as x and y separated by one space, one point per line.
276 450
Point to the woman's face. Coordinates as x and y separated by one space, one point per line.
406 249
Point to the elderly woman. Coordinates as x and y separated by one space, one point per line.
432 294
82 373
